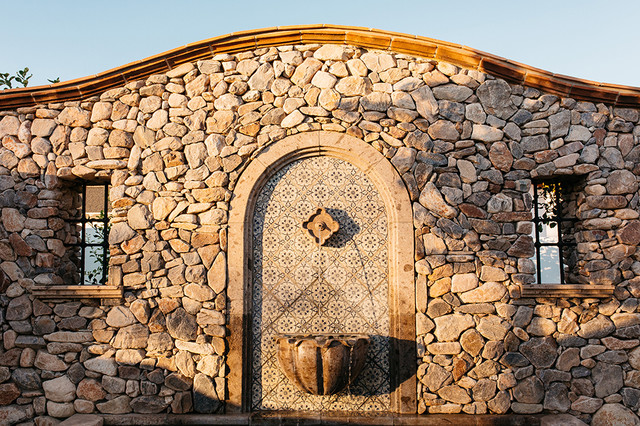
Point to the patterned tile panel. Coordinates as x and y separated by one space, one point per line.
340 287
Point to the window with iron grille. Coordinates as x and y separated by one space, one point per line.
554 220
89 244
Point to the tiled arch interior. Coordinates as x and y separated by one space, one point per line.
341 287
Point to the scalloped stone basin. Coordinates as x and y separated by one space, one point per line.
322 364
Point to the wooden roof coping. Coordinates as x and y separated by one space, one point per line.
463 56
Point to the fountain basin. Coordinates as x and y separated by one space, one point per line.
319 363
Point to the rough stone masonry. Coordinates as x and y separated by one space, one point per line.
173 145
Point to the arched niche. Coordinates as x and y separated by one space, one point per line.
401 293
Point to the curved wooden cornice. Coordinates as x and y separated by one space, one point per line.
466 57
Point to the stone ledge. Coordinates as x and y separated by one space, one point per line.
77 292
564 290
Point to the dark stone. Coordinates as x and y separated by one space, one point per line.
522 247
549 376
422 173
179 382
472 211
484 390
9 392
32 342
521 117
631 398
511 342
529 391
27 379
182 325
157 322
607 202
582 387
434 159
523 372
43 325
20 247
534 143
514 359
596 265
485 226
205 398
451 228
148 404
129 372
40 308
493 176
66 310
449 179
72 323
495 96
630 234
540 351
11 358
453 111
182 403
557 398
76 373
19 308
580 371
479 198
156 376
5 374
592 119
613 357
618 125
21 327
608 379
631 332
36 243
26 199
148 388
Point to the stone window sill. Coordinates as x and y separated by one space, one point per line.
77 292
563 290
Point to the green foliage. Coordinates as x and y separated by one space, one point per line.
550 198
6 79
98 275
22 77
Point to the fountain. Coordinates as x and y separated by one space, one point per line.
321 363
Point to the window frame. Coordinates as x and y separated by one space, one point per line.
104 240
556 218
563 289
105 290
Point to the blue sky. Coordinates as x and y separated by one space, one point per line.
596 40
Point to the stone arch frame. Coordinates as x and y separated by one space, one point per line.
401 298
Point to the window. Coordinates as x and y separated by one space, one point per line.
81 246
554 220
88 240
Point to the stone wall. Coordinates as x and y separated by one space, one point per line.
467 146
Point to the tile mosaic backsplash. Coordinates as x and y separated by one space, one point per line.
300 287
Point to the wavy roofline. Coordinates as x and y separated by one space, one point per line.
463 56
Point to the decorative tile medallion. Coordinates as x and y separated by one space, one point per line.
302 287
